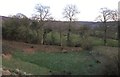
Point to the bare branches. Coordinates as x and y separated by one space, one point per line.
43 15
104 17
43 12
70 11
114 15
107 14
99 18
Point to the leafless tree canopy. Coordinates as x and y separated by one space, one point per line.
115 15
18 15
107 14
70 11
43 12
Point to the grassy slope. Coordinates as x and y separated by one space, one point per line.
27 67
110 52
74 62
99 42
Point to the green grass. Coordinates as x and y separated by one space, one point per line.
40 63
27 67
99 42
53 37
75 62
112 42
78 63
76 39
110 52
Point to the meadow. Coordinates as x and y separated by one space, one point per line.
82 62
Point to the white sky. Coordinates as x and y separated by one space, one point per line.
89 9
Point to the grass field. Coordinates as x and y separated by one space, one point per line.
43 62
27 67
59 63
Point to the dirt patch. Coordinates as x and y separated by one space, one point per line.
31 48
7 56
49 48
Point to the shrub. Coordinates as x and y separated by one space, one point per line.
53 38
86 44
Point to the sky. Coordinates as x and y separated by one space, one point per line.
89 9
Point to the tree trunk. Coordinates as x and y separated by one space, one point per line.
105 34
52 38
60 38
68 38
38 38
44 37
42 40
68 35
118 35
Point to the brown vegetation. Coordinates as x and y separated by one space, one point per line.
36 47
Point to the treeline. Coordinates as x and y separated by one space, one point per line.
34 30
21 28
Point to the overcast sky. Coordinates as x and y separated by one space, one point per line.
89 9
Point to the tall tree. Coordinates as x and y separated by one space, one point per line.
114 15
69 13
104 17
42 16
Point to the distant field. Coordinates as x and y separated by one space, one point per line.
100 42
76 39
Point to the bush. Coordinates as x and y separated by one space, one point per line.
53 38
87 44
75 40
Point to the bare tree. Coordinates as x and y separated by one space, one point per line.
69 13
42 16
114 15
104 18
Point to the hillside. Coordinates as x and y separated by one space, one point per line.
76 24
